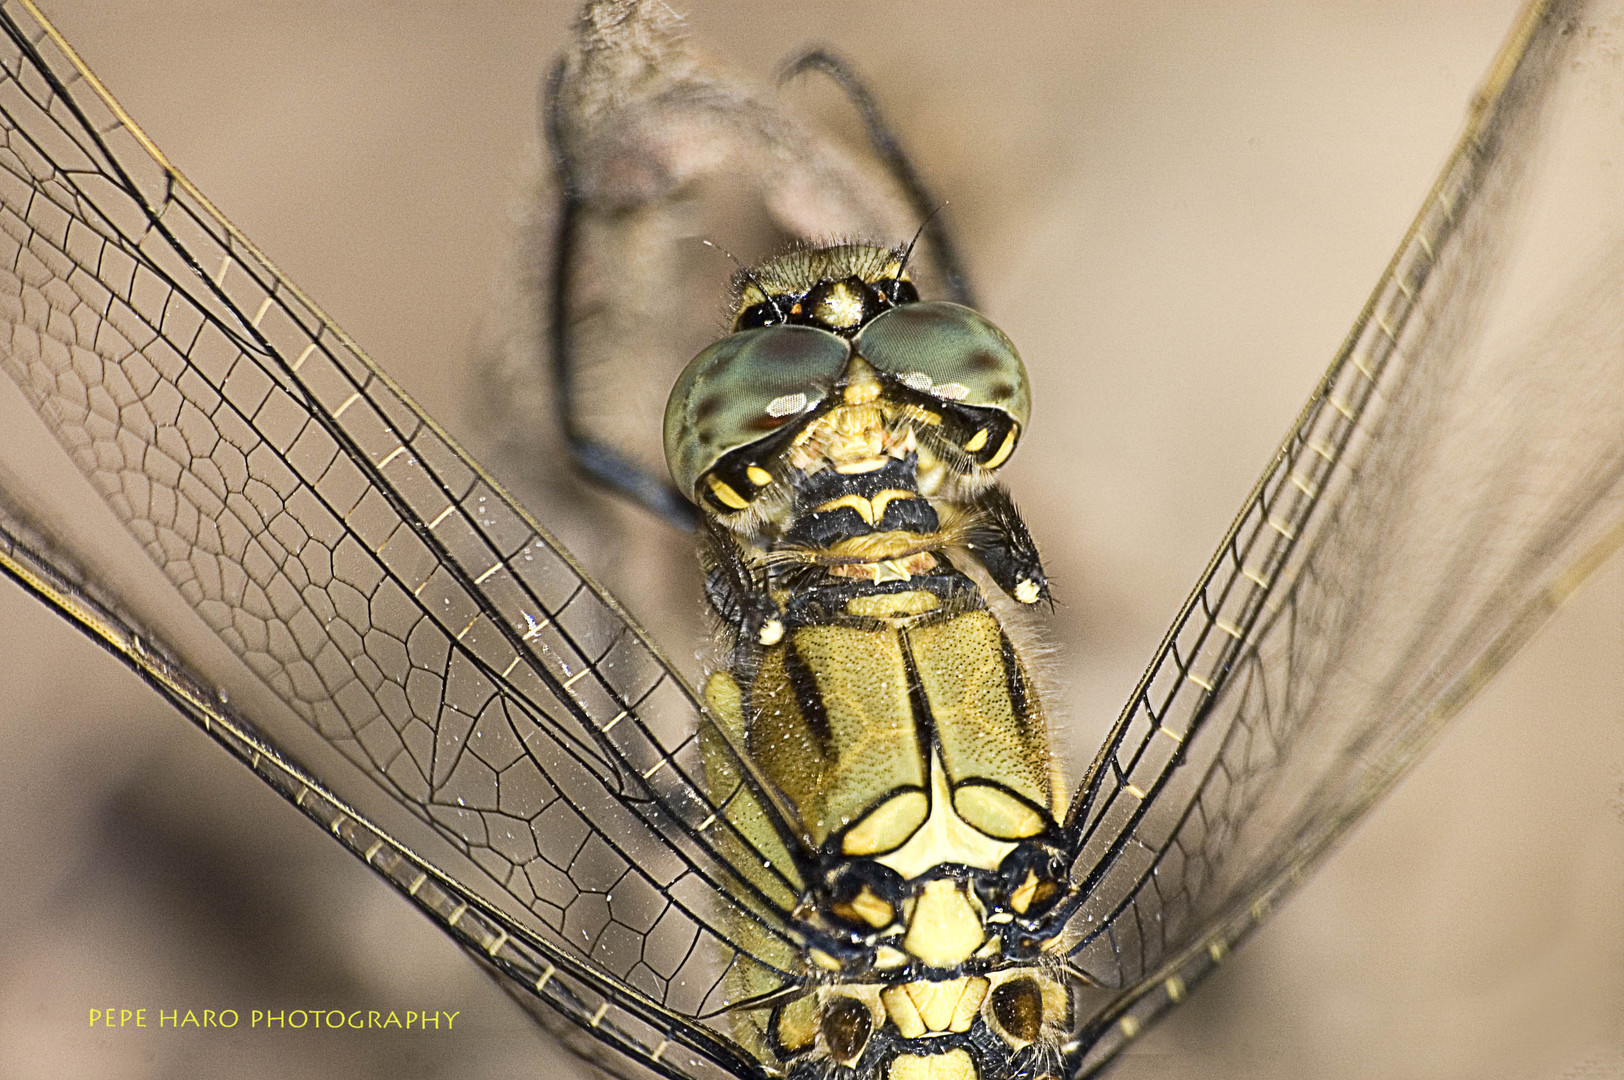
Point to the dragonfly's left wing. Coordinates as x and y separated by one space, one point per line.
1454 476
423 639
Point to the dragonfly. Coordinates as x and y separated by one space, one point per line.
1023 450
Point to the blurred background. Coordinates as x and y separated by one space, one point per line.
1176 211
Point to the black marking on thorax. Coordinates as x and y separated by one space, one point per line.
816 528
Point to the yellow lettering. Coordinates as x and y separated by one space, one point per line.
168 1019
393 1019
450 1018
231 1013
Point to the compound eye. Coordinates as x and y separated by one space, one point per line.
951 352
745 388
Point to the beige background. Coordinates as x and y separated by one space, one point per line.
1175 210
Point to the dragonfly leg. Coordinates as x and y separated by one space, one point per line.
944 251
740 598
1000 540
600 462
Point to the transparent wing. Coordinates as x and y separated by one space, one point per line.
540 753
1457 472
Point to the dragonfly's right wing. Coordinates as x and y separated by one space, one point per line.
1455 475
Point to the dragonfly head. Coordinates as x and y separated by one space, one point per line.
831 346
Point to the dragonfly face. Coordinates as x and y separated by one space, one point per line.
1045 471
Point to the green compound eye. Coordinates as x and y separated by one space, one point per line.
951 352
742 389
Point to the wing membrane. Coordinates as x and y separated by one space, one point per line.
370 575
574 989
1453 477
